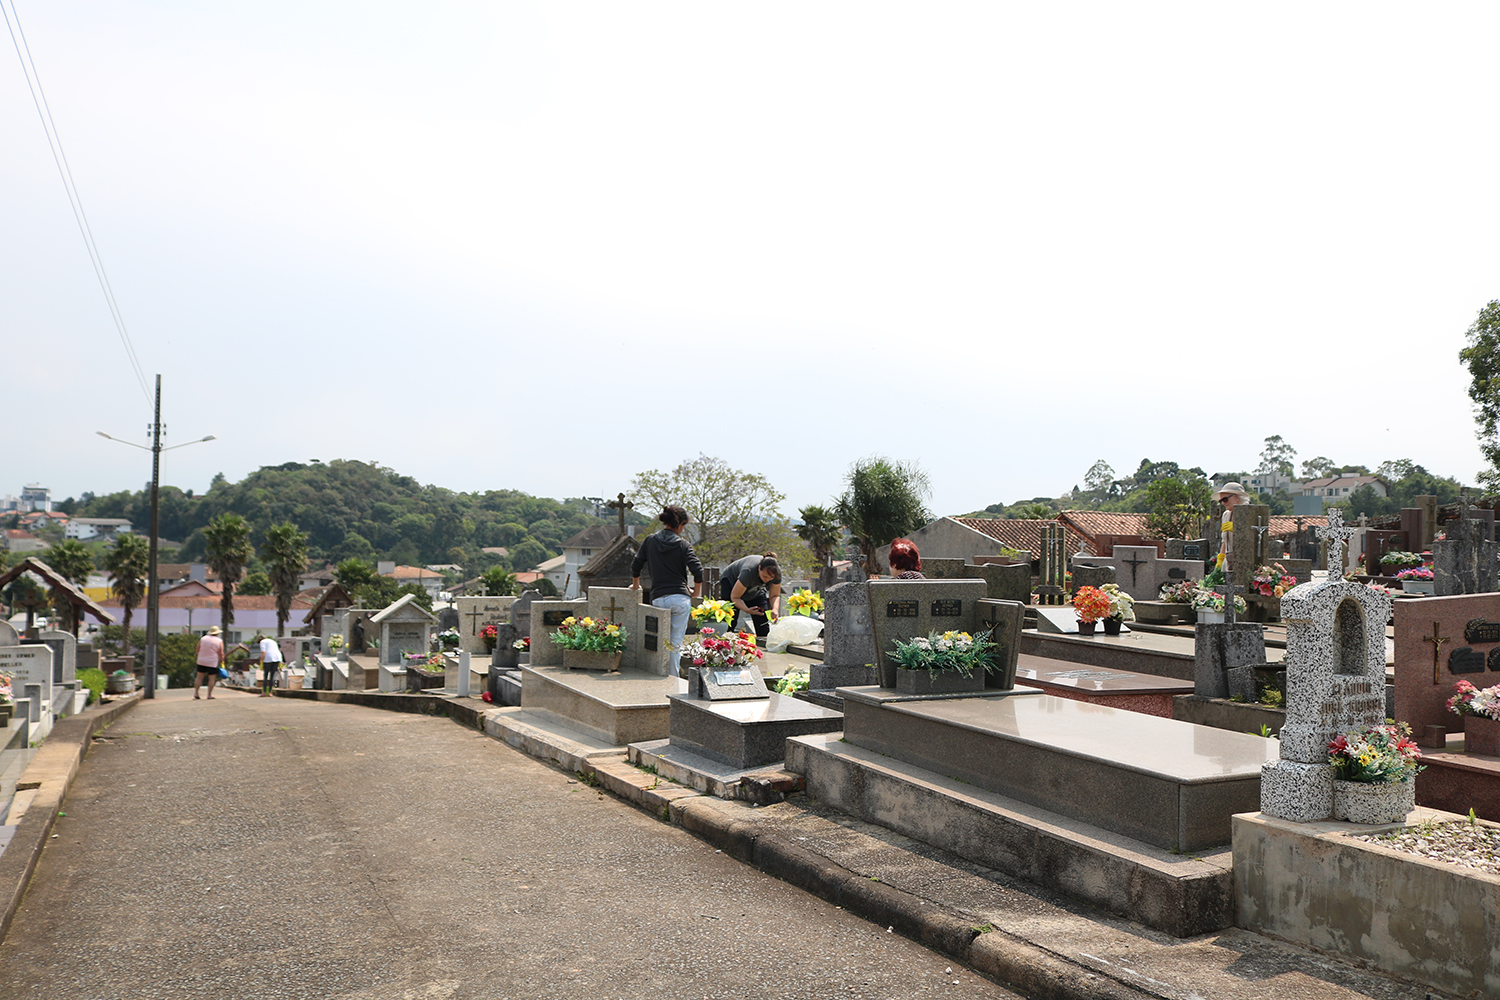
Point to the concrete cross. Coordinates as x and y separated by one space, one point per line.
620 504
1437 644
613 608
1336 535
1227 589
474 621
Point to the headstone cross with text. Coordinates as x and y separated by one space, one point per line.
1336 535
620 504
1437 644
474 617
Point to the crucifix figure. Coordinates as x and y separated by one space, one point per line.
1335 535
1437 644
1260 540
620 504
1135 562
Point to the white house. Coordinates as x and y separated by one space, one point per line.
1338 486
578 550
85 528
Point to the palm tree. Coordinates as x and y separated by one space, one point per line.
882 501
285 556
227 538
820 530
497 582
128 562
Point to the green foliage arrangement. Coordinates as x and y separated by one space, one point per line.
594 635
93 679
177 658
955 652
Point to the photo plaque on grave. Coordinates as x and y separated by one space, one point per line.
554 617
1464 660
649 643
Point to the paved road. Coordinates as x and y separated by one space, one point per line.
247 848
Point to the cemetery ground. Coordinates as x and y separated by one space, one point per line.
293 847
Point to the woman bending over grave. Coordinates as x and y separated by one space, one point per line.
905 560
671 559
753 585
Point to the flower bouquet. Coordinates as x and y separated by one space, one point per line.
1373 774
804 602
1212 603
489 635
715 651
1480 710
448 638
1391 562
590 643
5 695
1092 604
1272 580
713 610
1416 573
1121 604
335 642
943 662
522 644
1178 593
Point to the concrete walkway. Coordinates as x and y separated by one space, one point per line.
246 848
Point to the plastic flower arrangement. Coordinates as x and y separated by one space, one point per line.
804 602
1207 600
1470 700
1415 573
1392 561
714 651
1382 589
1121 604
793 681
335 642
1091 603
596 635
522 644
4 688
1272 580
1380 755
1178 593
940 652
714 611
489 634
448 638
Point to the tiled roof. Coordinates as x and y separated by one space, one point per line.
1283 525
414 573
266 602
1094 523
596 537
1018 534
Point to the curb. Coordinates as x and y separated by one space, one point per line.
51 771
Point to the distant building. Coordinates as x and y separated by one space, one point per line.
1339 486
426 578
36 497
86 528
17 540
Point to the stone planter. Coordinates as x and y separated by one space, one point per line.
1482 735
587 659
1112 625
920 682
1086 628
1210 617
1375 804
1419 586
119 685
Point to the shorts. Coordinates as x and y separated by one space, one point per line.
208 670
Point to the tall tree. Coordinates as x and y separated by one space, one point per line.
1098 480
129 563
882 501
820 530
1317 468
724 503
227 538
72 560
352 574
1179 505
1482 358
498 582
1276 457
285 555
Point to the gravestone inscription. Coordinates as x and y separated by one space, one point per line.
901 609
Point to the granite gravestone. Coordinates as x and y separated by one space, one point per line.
1335 682
1091 574
474 613
549 616
901 609
1004 621
1440 641
8 634
740 683
848 642
447 618
1190 549
1003 581
1464 562
520 611
648 629
65 660
30 667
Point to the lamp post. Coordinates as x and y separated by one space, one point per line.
153 608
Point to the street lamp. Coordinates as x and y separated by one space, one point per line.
153 608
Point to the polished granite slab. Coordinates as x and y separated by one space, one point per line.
744 734
616 708
1125 689
1166 783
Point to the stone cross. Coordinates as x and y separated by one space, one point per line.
614 609
474 617
1228 590
620 504
1336 535
1437 644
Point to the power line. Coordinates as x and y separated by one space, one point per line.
54 141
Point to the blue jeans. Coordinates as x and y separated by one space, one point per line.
681 606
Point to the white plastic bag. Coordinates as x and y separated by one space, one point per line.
789 629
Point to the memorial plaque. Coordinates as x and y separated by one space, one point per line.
649 641
1176 573
948 608
901 609
729 683
1192 552
1479 630
553 618
1494 658
1464 660
652 625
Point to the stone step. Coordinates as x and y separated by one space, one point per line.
746 733
616 708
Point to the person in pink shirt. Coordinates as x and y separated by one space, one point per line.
210 659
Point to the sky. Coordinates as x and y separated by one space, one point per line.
547 246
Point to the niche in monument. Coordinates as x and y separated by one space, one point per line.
1349 643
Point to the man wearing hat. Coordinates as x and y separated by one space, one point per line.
1230 496
210 659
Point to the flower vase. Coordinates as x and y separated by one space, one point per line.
588 659
1374 803
1210 617
1112 625
1086 628
1482 735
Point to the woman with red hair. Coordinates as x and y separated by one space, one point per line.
905 560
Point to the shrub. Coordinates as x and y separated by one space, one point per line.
92 678
177 658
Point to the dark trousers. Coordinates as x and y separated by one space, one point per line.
268 675
757 598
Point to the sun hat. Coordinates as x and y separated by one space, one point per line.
213 630
1231 489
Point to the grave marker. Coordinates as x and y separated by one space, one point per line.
901 609
848 640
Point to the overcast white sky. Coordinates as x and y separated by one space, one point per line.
546 246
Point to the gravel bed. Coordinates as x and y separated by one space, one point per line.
1468 845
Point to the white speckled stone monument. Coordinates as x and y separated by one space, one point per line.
1335 681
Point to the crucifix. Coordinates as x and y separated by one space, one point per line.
1260 540
620 504
474 621
1335 535
613 608
1437 644
1135 562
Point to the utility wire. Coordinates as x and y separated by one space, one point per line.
54 141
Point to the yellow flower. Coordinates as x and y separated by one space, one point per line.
613 629
570 620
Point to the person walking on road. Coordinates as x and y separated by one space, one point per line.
270 662
671 559
210 659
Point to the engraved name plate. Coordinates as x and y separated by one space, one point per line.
1478 630
1464 660
901 609
948 607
